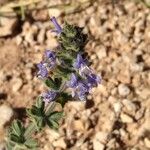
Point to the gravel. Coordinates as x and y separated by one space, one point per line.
117 116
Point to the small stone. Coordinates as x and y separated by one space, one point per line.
147 142
145 93
6 113
97 145
124 77
28 74
125 118
54 12
78 125
52 135
7 26
17 84
140 113
117 107
101 52
19 40
101 136
60 143
41 36
129 105
2 76
123 90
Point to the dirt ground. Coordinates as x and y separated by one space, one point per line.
116 115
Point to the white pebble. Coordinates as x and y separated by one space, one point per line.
17 83
5 115
123 90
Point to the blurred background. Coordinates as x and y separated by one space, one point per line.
116 115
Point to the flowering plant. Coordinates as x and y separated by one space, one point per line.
65 71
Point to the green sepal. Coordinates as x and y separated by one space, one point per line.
69 30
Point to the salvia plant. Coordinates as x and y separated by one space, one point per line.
65 71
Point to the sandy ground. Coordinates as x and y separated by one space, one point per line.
117 113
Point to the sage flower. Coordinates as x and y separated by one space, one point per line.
73 81
49 96
79 62
43 72
58 28
81 91
50 57
93 80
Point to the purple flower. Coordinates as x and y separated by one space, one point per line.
50 58
57 26
43 72
81 91
73 81
93 80
49 96
80 62
50 55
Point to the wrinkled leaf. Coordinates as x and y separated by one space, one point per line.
31 143
51 84
40 103
17 128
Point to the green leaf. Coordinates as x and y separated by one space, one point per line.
53 84
40 103
17 128
56 116
15 138
36 111
53 119
40 123
31 143
53 124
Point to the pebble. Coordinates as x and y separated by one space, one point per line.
125 118
17 84
2 76
101 136
139 114
123 90
78 125
97 145
54 12
129 105
117 107
7 26
28 74
124 77
60 143
6 113
41 36
101 52
147 142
